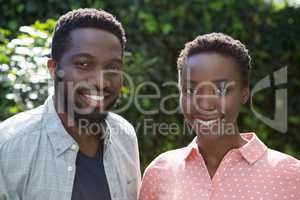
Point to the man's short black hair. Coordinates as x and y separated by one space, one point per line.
83 18
222 44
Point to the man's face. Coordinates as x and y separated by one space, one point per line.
88 77
211 93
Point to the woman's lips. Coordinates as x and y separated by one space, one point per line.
204 118
204 122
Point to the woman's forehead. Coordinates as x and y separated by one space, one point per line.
211 67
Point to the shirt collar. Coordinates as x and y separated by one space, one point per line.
191 149
252 151
59 137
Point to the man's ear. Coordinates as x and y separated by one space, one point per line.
245 94
51 64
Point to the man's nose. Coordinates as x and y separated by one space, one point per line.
99 79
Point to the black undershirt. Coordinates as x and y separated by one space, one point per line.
90 180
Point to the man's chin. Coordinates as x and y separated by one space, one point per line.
91 124
95 116
90 118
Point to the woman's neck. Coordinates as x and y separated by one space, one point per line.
214 148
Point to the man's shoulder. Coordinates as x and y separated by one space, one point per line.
20 124
119 124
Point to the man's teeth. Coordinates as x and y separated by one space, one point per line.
95 97
206 123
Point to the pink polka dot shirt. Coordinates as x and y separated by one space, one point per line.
250 172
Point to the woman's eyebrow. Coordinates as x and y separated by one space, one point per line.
221 80
194 83
189 82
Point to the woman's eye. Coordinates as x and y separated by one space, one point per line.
192 91
222 91
219 89
189 91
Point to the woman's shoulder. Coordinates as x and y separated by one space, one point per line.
168 160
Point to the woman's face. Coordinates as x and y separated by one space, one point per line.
211 93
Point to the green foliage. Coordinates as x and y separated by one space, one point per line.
24 79
156 32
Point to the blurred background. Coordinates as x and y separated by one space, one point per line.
156 32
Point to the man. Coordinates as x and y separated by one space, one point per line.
71 147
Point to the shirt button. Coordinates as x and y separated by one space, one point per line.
74 147
70 168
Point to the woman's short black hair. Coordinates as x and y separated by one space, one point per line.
83 18
222 44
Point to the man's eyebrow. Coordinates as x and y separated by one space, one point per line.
87 55
113 60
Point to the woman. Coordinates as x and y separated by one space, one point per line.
220 163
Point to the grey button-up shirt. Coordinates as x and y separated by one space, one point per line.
37 157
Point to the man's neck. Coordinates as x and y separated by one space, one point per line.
89 143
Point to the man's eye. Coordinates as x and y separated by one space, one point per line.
82 64
113 67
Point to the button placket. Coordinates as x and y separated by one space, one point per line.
72 155
70 168
221 171
74 147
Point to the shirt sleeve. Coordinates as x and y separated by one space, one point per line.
148 190
131 152
291 172
158 180
3 187
138 169
3 190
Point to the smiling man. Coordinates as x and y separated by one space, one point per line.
72 147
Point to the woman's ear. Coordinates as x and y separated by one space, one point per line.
245 94
51 64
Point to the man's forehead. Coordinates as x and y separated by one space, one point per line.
93 43
94 36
